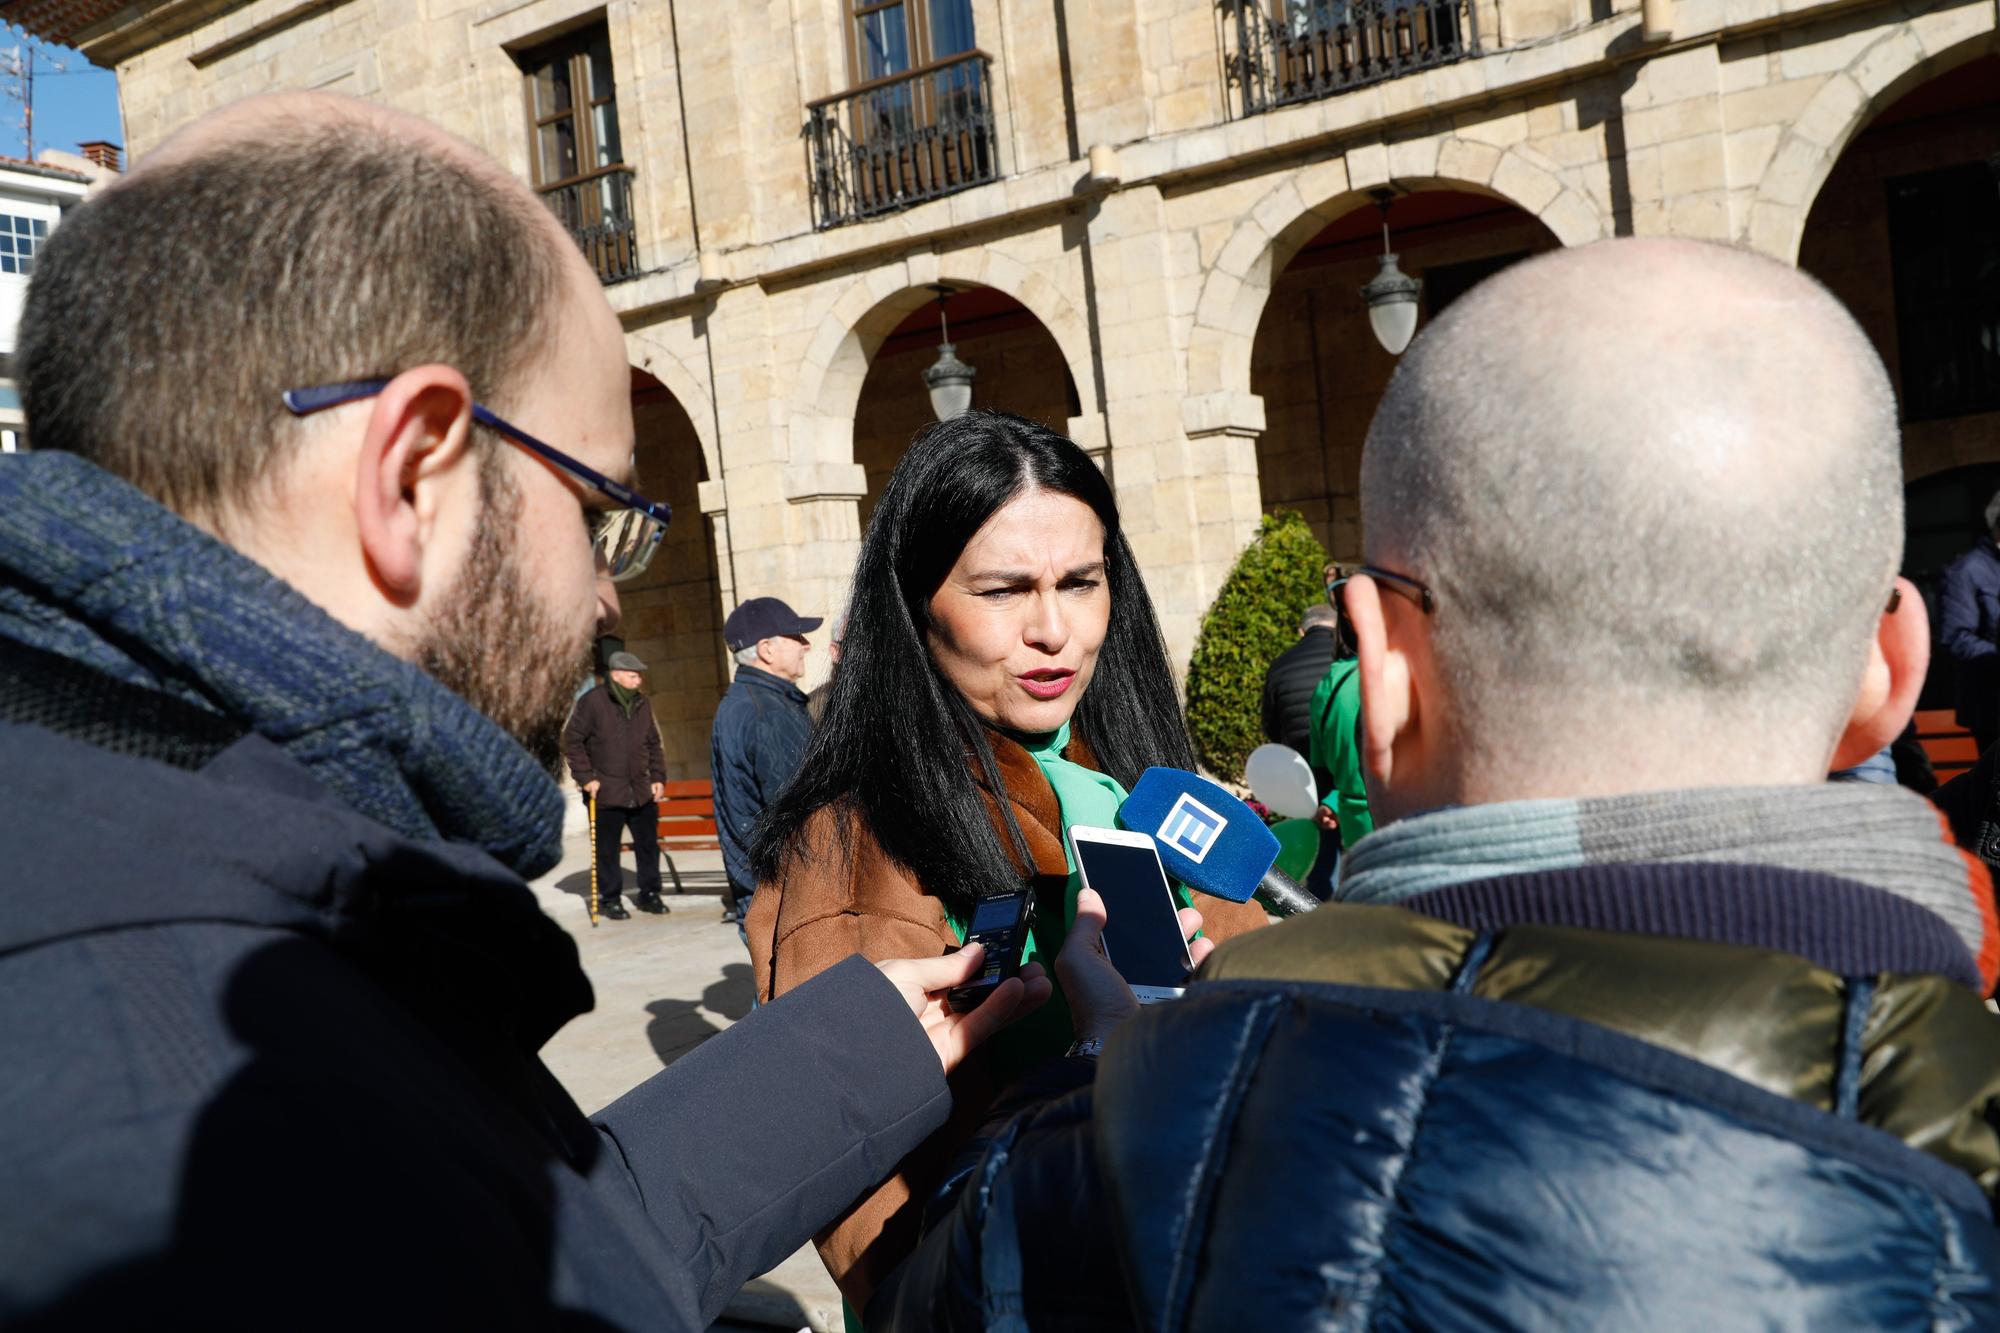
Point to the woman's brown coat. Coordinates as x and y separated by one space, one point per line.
845 896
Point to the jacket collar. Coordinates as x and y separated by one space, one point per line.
1031 799
1884 837
1846 927
759 678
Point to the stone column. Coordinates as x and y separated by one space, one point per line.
1676 160
788 498
1185 474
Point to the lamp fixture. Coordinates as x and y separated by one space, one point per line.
1391 294
948 378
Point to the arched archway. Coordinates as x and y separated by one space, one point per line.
1294 211
1906 232
837 358
1901 60
1021 369
1315 362
672 613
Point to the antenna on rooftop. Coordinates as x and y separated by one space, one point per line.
17 84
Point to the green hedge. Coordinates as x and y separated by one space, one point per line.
1254 618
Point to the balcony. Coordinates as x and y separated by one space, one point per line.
597 210
1322 47
903 140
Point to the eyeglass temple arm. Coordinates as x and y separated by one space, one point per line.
304 402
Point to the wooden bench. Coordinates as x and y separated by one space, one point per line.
1949 746
687 823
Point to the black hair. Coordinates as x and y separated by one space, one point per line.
891 754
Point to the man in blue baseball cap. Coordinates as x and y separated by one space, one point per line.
760 731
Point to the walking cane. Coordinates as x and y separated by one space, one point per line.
593 860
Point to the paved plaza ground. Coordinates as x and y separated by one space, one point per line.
665 984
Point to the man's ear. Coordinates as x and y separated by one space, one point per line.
418 427
1893 679
1388 695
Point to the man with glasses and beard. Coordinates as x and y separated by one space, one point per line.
293 599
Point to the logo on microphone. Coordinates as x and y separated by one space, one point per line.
1191 828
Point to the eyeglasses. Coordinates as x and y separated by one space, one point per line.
625 538
1414 589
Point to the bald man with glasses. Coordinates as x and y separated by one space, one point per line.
1623 1016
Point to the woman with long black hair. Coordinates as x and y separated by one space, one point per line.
1002 678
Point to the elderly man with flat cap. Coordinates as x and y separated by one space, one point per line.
613 749
760 734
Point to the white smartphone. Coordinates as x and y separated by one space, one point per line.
1142 929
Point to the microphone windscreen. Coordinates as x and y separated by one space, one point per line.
1208 839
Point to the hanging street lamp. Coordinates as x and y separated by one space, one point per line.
948 378
1391 294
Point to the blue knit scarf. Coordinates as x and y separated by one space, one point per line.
93 570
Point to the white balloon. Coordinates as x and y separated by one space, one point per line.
1281 778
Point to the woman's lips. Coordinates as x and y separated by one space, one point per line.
1046 684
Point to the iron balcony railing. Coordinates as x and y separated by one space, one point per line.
597 210
1280 52
899 141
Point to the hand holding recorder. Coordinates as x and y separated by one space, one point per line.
925 984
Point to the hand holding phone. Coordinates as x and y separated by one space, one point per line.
1099 998
1143 933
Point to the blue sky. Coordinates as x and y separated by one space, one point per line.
79 104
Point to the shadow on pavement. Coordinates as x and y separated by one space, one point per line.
577 882
678 1026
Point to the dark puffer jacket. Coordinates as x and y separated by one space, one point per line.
1402 1122
1289 686
270 1065
760 734
1968 626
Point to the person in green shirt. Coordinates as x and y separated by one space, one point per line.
1336 734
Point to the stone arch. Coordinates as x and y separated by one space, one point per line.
1905 56
1239 283
836 360
646 351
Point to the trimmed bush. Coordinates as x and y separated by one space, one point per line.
1253 619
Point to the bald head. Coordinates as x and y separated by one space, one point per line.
1657 487
286 241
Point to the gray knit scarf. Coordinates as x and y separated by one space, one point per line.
95 571
1882 836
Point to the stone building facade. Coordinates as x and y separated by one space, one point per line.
1154 215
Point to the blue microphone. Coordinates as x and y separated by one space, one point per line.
1211 841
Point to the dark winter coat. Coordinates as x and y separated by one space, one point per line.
621 753
272 986
1289 686
1375 1118
269 1064
1968 625
760 735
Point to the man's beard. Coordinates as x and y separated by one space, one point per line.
494 645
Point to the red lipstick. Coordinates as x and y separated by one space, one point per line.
1049 683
